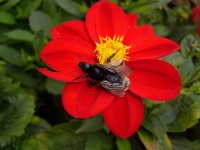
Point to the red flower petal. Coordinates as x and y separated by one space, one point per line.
124 116
62 76
195 13
151 47
135 34
64 54
82 100
132 20
71 28
106 19
154 79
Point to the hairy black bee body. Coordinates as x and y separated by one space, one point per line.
113 76
99 73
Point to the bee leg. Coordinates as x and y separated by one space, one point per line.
74 71
80 77
92 82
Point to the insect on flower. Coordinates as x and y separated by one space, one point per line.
119 56
112 76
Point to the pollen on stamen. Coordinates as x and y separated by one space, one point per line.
108 46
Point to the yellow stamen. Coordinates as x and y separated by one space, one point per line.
108 46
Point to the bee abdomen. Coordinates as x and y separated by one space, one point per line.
126 83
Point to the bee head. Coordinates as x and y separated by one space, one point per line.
85 67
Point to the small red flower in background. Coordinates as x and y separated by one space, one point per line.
108 29
196 16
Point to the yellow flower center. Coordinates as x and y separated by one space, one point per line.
108 46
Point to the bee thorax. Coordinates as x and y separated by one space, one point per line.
97 73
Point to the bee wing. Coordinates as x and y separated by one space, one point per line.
117 66
122 69
114 88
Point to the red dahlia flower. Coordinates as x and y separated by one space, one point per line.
196 16
108 29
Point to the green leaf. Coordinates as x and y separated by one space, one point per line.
24 10
15 114
39 42
147 139
141 6
161 30
9 4
4 82
54 87
2 1
196 2
20 34
188 44
180 143
23 78
187 71
196 87
10 89
3 29
60 137
114 1
92 124
7 18
181 31
37 125
38 20
50 7
153 124
176 59
15 58
163 2
69 6
18 113
123 144
187 105
98 141
10 142
184 12
167 113
151 142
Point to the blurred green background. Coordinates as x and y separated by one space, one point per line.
31 114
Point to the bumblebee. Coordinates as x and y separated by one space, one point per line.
113 76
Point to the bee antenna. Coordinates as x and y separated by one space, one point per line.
111 56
